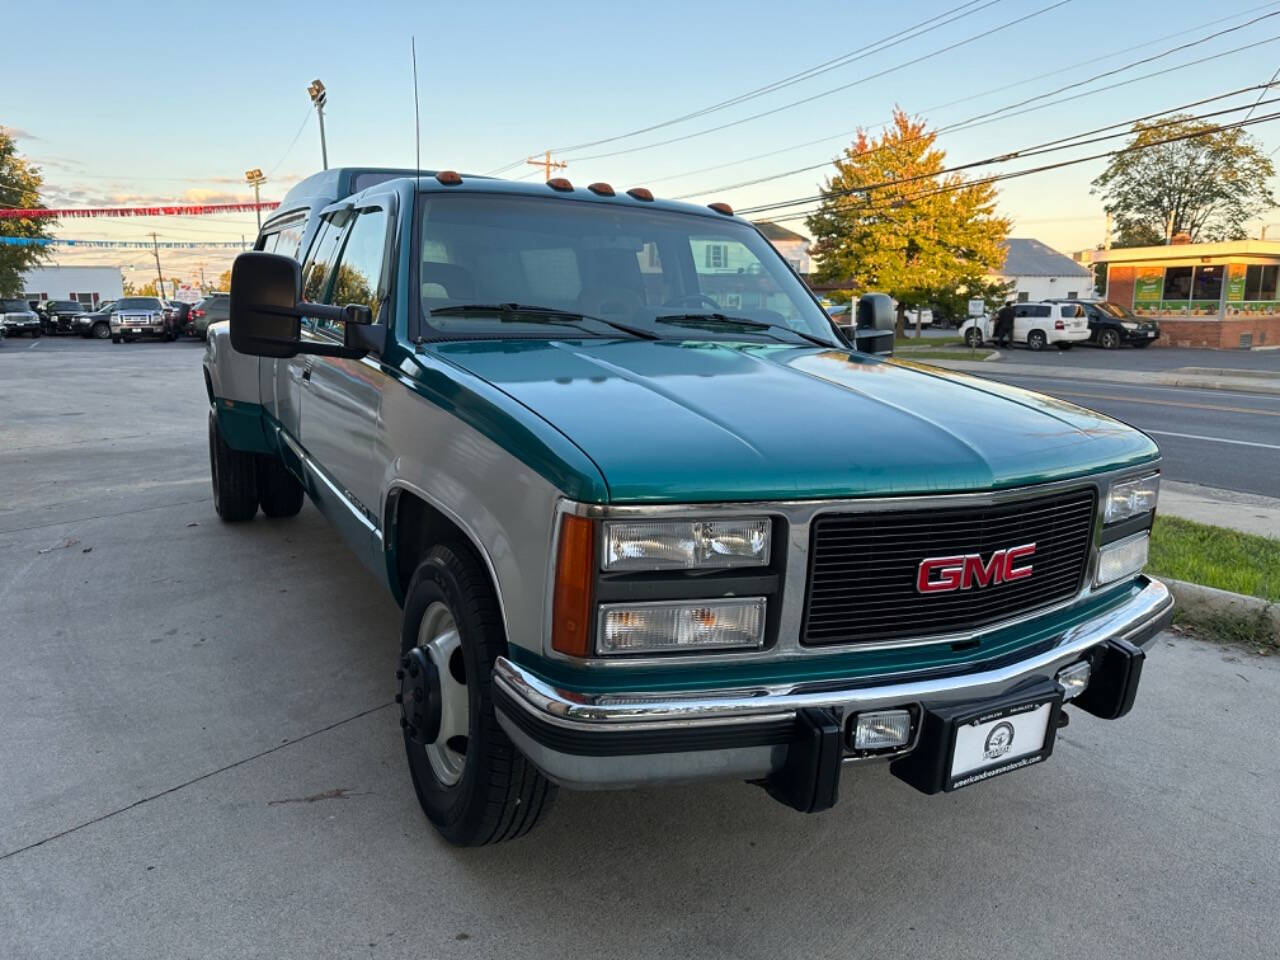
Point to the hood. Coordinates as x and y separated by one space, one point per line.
688 421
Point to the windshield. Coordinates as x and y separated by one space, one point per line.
1112 310
139 303
625 265
14 306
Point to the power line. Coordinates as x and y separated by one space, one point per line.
292 143
883 44
878 46
826 93
1051 146
1043 168
966 124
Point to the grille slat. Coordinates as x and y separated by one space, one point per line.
862 580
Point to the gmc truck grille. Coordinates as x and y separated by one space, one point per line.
863 567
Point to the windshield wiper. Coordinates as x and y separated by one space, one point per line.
530 313
696 319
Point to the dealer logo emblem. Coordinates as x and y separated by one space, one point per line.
999 741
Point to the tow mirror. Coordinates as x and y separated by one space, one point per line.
267 309
874 329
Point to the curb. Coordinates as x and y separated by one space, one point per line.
1196 598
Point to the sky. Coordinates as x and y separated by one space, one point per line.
174 104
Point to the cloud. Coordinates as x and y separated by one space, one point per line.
117 195
17 133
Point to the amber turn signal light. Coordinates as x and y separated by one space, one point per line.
575 575
450 178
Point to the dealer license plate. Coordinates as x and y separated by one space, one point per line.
1004 740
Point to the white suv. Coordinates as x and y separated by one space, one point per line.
1035 324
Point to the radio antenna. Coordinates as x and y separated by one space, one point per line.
417 124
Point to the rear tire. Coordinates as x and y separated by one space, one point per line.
100 331
475 788
235 478
1036 340
279 492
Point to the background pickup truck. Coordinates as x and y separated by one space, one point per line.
651 518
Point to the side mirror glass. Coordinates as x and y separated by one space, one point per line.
874 329
265 292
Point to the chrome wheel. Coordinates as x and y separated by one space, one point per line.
438 638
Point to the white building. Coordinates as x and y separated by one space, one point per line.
1039 272
87 285
793 247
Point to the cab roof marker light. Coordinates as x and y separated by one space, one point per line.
450 178
560 183
641 193
721 207
601 189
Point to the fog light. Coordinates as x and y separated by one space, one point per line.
1124 558
882 730
1073 679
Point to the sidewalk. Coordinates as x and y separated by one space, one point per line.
1245 512
1204 378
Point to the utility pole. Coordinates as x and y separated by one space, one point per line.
316 89
155 248
255 179
1168 229
547 164
1106 243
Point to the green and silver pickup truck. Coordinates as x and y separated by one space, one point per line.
651 518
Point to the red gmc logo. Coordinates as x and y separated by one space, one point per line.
945 574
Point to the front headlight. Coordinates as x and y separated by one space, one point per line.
631 545
1129 325
1131 498
664 626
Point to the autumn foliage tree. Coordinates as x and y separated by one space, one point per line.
892 221
19 187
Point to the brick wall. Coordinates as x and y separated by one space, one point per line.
1219 334
1120 281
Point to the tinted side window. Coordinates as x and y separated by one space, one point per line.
267 244
316 273
359 269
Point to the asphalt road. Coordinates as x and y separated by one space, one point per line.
1214 438
198 758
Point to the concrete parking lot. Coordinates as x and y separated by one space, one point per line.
198 758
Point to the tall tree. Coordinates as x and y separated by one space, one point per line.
920 235
224 281
1209 184
19 187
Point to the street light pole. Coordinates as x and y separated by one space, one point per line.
320 98
255 179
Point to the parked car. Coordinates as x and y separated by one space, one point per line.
17 318
1111 325
95 324
137 317
642 536
57 316
211 309
1037 325
176 316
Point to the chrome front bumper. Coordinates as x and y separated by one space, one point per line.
603 741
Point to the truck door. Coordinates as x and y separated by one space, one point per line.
341 398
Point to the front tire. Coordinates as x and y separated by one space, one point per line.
279 492
1036 340
1142 344
1109 339
235 478
972 337
473 784
100 331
